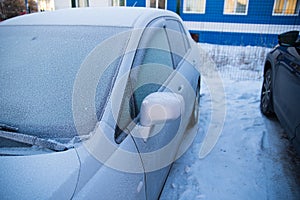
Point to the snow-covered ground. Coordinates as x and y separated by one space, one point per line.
253 158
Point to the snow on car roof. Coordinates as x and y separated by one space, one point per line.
101 16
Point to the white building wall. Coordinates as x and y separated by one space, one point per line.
61 4
100 3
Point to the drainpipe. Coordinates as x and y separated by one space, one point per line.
26 6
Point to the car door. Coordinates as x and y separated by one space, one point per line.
155 68
287 88
152 67
185 61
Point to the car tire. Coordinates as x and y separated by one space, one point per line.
266 98
195 114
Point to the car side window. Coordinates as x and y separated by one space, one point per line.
153 64
151 67
178 40
126 114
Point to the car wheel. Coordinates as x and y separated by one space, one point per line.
195 113
266 99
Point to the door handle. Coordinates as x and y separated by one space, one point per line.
289 67
295 66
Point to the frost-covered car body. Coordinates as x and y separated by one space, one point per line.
281 86
94 102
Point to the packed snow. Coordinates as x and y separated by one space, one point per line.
253 158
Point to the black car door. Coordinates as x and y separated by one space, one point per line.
287 88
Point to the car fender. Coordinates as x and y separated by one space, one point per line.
42 176
107 170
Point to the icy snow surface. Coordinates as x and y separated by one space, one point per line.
252 158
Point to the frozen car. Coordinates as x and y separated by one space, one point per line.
280 93
94 102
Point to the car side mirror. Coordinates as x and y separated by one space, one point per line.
158 108
288 39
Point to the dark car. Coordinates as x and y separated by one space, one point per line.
280 92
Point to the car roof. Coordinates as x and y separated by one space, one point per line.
101 16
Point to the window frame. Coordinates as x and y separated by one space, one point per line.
235 13
185 41
148 4
119 134
193 12
82 3
297 9
141 53
118 3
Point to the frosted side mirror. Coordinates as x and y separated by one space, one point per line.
159 107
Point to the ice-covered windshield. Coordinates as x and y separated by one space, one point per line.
38 68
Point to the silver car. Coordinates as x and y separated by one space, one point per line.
95 102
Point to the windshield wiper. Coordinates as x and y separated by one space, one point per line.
10 133
6 127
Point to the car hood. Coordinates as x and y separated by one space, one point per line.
41 176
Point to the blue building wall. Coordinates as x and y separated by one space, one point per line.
137 3
237 39
259 13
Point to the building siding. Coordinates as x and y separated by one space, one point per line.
260 26
259 12
136 3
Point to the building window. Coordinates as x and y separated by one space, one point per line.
83 3
239 7
45 5
161 4
194 6
79 3
286 7
118 2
